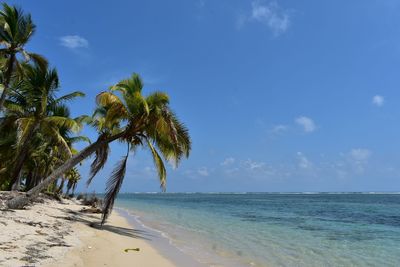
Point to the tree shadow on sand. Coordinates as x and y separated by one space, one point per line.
94 222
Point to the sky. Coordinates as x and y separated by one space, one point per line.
279 96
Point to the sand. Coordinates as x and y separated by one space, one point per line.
56 233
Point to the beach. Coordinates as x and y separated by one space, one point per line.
194 230
53 233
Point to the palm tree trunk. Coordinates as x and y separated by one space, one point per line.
21 201
15 176
7 80
67 193
33 181
16 186
16 173
29 180
61 187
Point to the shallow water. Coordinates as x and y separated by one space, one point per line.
276 229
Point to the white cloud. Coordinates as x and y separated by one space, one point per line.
303 162
378 100
358 159
74 41
203 171
307 124
277 129
253 165
270 14
249 168
360 154
228 161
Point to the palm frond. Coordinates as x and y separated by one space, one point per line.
170 135
116 113
158 162
79 138
54 134
110 112
39 60
131 89
17 27
183 137
83 119
113 186
107 99
99 161
136 104
24 127
157 99
129 86
69 97
13 107
66 122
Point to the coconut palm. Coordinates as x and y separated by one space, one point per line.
124 114
16 29
45 154
33 107
8 139
72 176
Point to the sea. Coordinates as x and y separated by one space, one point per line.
269 229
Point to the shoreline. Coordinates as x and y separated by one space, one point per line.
53 233
105 247
161 242
179 247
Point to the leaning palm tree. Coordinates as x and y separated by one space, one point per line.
124 114
16 29
46 155
33 107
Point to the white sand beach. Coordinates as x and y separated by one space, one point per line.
54 233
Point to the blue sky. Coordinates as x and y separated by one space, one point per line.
278 95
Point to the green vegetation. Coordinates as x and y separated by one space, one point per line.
37 133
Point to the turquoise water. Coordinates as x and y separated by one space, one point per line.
276 229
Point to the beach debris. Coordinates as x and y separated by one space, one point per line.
31 223
61 244
42 230
133 249
35 252
90 200
89 247
91 210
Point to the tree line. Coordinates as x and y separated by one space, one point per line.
38 133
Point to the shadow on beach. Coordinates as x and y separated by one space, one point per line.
94 222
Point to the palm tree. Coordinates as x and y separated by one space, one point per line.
72 176
45 154
16 28
124 114
8 139
34 108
